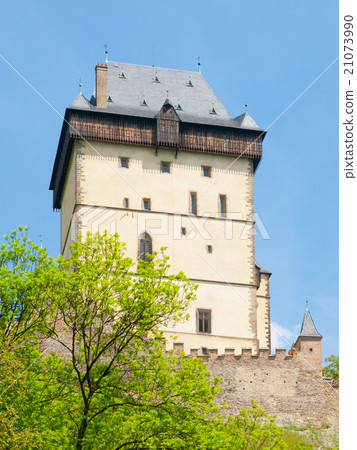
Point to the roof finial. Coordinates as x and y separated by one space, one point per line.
199 65
106 53
167 94
246 107
80 86
307 303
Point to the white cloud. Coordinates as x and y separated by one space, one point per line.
282 337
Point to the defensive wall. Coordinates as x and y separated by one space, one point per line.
288 386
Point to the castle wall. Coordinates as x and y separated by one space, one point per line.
285 386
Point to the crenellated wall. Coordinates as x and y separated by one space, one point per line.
287 386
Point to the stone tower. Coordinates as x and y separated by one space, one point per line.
156 157
308 344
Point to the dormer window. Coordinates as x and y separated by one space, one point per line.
122 75
143 102
189 83
178 107
155 80
213 111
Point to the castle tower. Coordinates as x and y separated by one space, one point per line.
156 157
308 343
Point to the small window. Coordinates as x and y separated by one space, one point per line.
135 127
198 134
147 204
165 167
126 203
206 171
193 203
124 162
172 129
209 249
222 205
310 349
203 321
163 128
204 351
183 231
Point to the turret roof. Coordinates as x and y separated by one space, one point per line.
308 328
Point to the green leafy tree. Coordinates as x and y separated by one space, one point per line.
332 368
82 361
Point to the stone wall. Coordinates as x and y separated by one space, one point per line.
283 385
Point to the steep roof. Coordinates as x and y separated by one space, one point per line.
195 102
308 328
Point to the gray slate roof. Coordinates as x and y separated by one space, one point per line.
155 84
308 328
261 268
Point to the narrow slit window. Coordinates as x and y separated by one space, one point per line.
183 231
209 249
222 205
126 203
193 203
147 204
124 162
203 321
172 129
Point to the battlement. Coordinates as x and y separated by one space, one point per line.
246 353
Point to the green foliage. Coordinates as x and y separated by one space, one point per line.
332 369
82 363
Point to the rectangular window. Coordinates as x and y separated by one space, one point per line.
165 167
193 203
147 204
124 162
126 203
222 205
209 249
183 231
206 171
203 321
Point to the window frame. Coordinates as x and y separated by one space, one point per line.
149 204
224 198
193 206
126 203
209 170
165 163
124 160
209 319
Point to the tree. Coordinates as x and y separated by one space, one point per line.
332 369
107 311
82 362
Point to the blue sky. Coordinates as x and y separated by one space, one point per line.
258 52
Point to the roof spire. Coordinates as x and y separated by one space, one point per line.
199 65
307 303
80 86
106 53
246 107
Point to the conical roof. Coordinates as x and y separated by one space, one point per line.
308 328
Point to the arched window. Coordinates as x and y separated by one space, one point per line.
145 246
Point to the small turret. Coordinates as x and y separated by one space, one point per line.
308 343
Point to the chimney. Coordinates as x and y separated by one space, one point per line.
101 90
